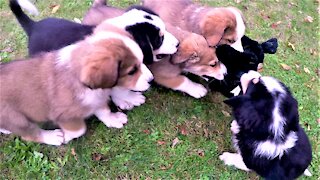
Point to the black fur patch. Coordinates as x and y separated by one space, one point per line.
142 8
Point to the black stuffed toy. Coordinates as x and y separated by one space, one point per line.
238 63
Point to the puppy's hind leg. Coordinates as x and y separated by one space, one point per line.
234 159
72 128
182 83
18 124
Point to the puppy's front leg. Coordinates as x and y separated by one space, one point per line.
234 159
182 83
126 99
116 120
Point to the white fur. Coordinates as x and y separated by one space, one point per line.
131 44
234 159
4 131
116 120
271 150
168 46
307 173
64 55
52 137
126 99
143 81
236 91
193 89
25 4
240 29
69 135
278 120
134 16
235 129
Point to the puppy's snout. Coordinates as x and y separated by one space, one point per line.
143 81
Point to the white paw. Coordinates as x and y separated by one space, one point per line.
235 128
69 135
227 158
52 137
197 91
130 100
5 131
116 120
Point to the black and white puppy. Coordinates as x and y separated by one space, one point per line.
266 130
49 34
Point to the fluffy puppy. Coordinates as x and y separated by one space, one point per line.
193 56
69 85
220 25
147 29
239 63
266 130
50 34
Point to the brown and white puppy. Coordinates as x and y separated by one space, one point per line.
69 85
219 25
137 21
193 56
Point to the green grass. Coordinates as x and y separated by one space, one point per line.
143 149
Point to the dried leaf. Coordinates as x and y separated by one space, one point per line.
285 67
175 142
291 46
206 133
306 70
237 1
146 131
73 153
275 25
225 113
161 142
308 19
318 120
55 8
96 157
200 152
183 130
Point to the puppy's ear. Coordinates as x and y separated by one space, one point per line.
270 46
143 42
182 57
100 73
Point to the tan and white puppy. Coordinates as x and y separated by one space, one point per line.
135 19
193 56
69 85
219 25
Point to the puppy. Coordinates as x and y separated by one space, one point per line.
220 25
193 56
147 29
239 63
69 85
266 130
50 34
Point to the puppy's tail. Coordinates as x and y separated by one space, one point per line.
99 3
24 20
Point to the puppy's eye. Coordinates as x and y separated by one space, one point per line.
231 41
213 65
133 70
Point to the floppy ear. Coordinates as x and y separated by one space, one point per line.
270 46
102 73
214 26
143 42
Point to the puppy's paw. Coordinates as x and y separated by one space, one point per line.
227 158
235 128
5 131
197 91
52 137
130 100
116 120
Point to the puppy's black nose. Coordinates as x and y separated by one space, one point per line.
177 45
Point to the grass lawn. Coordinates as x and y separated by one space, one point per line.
144 148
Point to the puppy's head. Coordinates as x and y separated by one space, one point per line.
108 59
223 26
148 31
197 58
266 103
